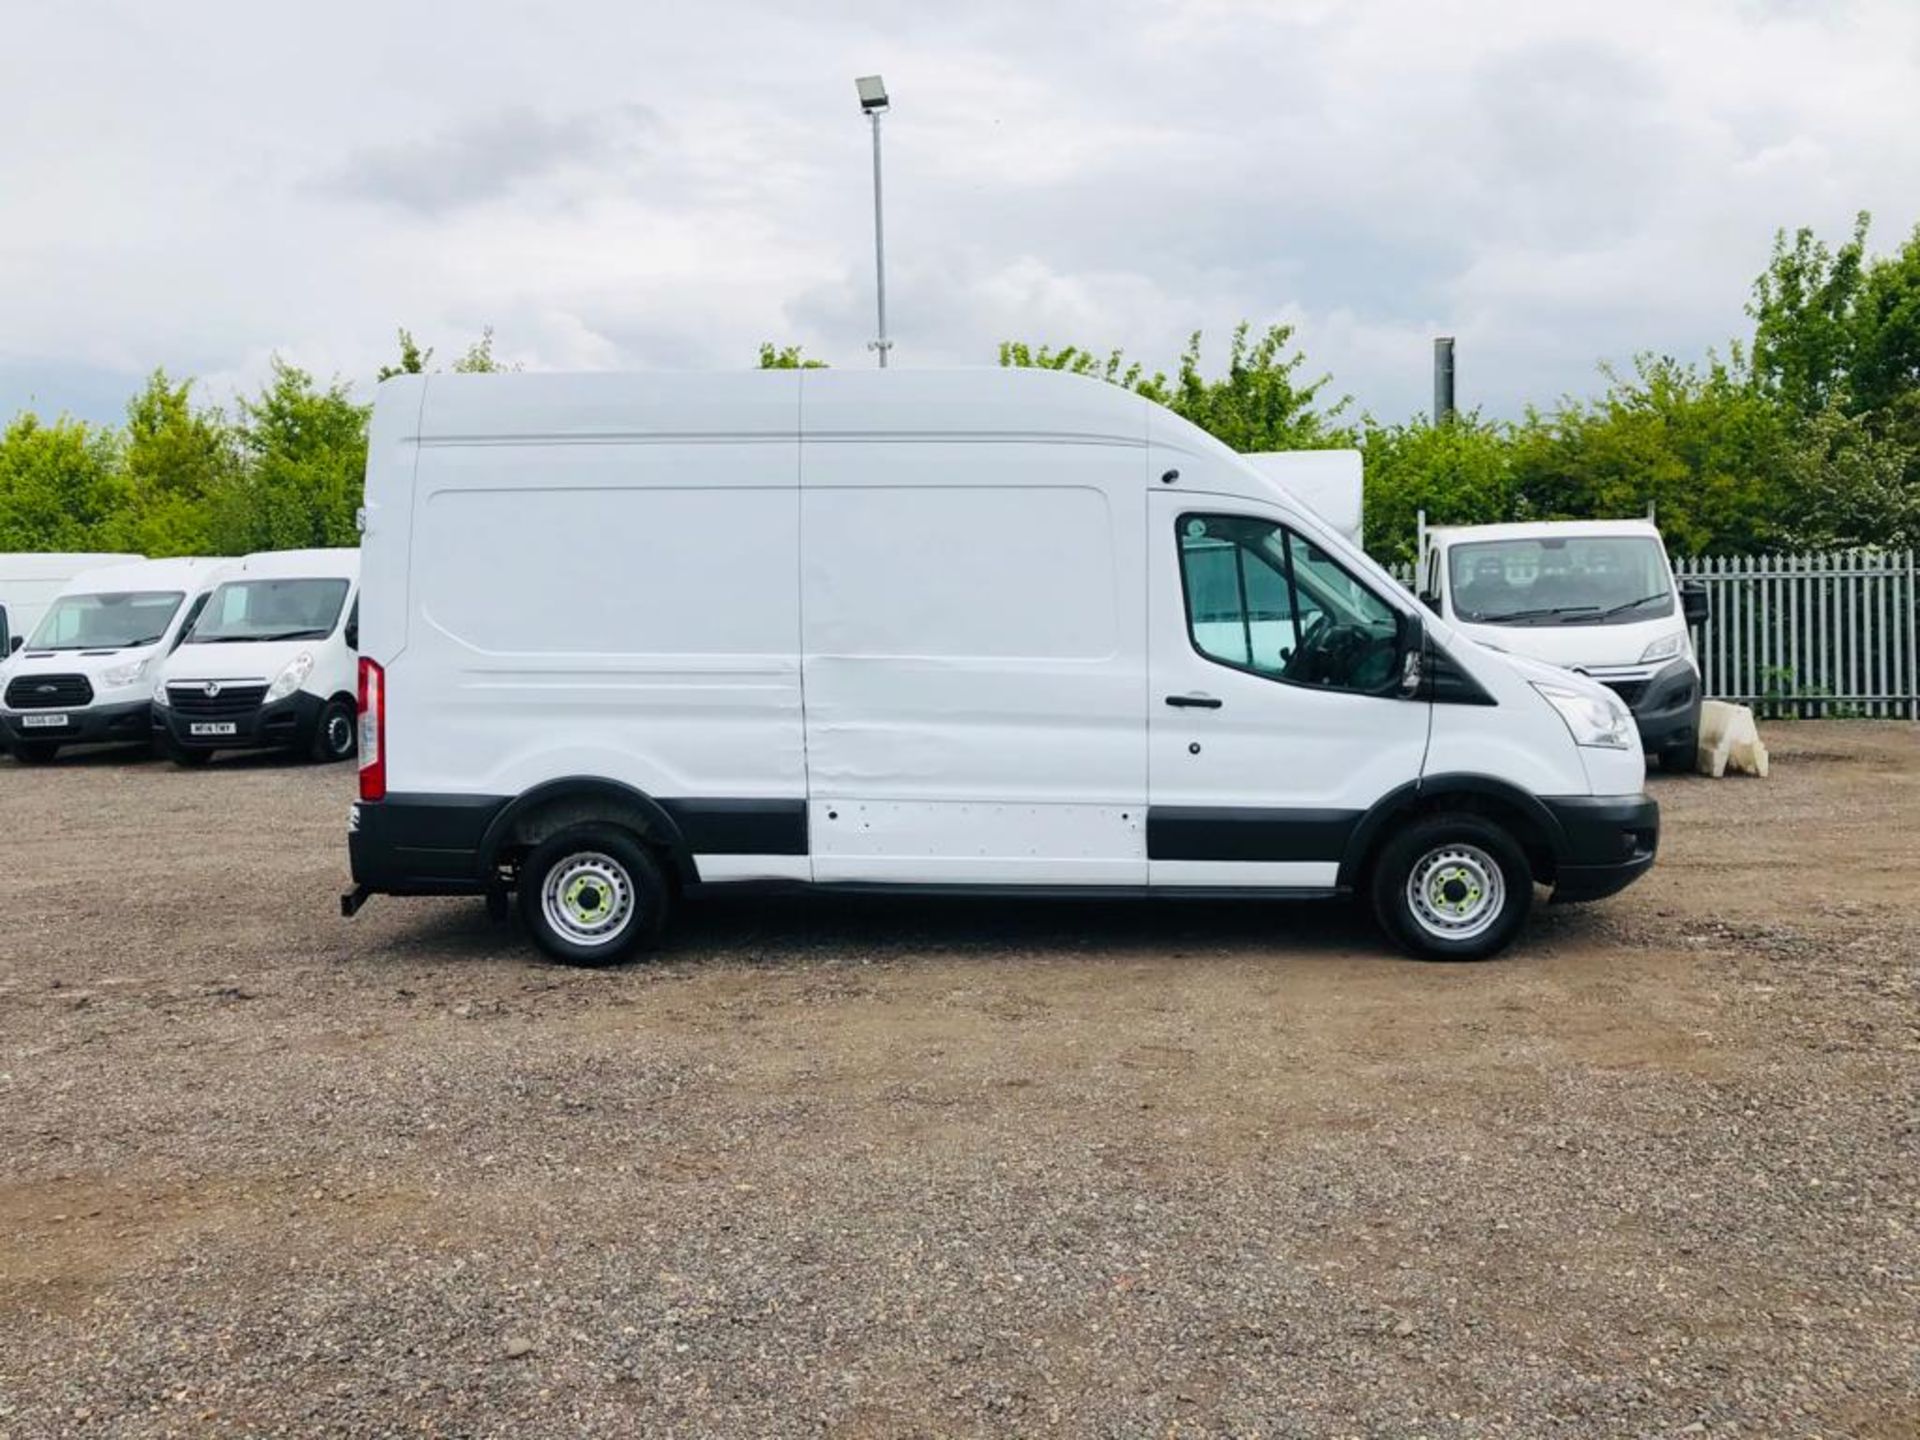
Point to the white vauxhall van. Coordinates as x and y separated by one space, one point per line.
269 663
1004 630
1594 596
86 674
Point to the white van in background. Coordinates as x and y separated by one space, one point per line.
30 580
269 663
1597 597
86 674
1008 631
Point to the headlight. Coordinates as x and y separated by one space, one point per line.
160 699
1601 722
125 674
1664 648
291 678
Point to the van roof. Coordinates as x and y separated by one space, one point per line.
1011 403
342 564
1538 529
189 573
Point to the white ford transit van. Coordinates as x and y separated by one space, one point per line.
1007 630
86 674
30 581
269 663
1595 596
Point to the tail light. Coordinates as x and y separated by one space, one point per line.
373 730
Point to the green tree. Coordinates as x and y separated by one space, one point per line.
1260 403
1459 473
1804 327
787 357
477 359
304 449
173 462
1886 329
59 483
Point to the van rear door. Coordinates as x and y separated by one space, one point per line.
1275 719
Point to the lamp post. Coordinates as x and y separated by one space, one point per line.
873 103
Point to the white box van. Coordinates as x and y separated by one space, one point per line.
1007 630
86 674
1594 596
269 664
28 583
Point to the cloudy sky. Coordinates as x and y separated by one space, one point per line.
649 185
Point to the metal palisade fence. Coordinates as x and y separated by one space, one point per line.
1836 634
1811 635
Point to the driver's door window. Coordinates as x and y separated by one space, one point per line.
1264 599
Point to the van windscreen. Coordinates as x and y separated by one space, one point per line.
115 621
1560 580
295 609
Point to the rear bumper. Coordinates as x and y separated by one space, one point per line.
91 725
1607 843
289 723
421 845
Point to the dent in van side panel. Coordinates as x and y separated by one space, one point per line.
646 630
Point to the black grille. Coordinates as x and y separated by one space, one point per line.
191 698
49 692
1628 690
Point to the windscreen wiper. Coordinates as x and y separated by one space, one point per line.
1613 610
1504 619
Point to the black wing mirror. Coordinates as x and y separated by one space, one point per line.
1413 656
1695 603
7 646
1431 600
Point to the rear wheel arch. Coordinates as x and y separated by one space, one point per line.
1531 824
565 804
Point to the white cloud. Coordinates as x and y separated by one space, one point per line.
658 186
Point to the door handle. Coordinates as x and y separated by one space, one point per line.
1194 702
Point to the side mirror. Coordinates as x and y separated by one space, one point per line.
352 635
1432 601
6 641
1695 603
15 643
1413 656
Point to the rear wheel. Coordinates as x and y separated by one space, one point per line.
35 752
1453 887
333 737
593 895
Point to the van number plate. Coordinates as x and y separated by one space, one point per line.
43 722
205 727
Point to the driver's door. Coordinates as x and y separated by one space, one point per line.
1275 718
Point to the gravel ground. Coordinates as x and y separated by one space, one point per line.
885 1168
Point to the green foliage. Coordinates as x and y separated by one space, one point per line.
59 484
1803 311
1259 404
1460 472
477 359
787 357
174 462
305 455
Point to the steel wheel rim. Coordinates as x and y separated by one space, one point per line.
339 734
1456 892
588 899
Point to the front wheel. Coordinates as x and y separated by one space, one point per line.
1452 887
334 737
593 895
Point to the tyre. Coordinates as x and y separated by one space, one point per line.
593 895
1452 887
335 736
35 752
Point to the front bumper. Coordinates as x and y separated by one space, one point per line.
88 725
1665 706
1607 843
288 723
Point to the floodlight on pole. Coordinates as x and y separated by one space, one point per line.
874 104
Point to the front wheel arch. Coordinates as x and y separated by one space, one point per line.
1531 824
